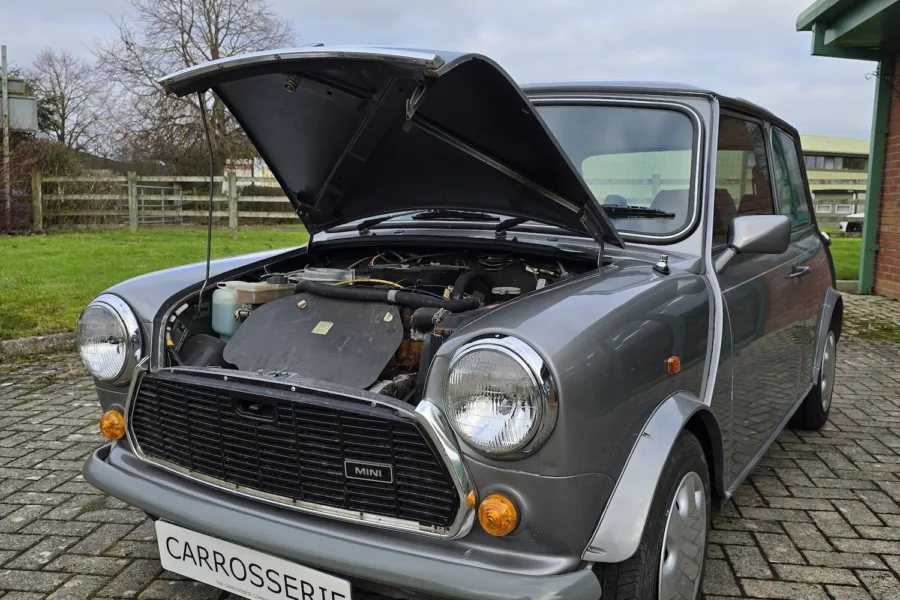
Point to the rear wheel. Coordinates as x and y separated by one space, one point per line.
669 562
813 413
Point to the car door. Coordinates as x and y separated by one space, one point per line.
760 295
813 271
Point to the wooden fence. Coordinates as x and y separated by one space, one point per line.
120 198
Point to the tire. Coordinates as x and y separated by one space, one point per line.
638 578
812 413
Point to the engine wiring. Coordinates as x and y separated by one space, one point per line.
381 281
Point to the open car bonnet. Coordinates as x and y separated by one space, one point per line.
354 132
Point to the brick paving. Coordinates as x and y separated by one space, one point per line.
819 517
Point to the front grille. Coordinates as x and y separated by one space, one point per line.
294 448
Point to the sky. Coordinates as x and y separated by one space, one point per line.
744 48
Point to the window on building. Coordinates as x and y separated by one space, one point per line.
843 209
742 175
838 163
820 162
810 161
856 163
823 208
789 187
829 163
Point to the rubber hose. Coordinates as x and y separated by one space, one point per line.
390 296
462 282
423 319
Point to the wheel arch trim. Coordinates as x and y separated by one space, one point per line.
621 526
832 304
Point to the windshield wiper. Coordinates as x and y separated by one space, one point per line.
462 215
617 211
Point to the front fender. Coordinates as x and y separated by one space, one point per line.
622 523
147 293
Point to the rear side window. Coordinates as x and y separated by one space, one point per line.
789 185
742 175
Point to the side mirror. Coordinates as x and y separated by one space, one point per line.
756 234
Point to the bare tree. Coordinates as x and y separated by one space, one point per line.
164 36
70 98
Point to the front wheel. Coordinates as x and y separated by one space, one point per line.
669 562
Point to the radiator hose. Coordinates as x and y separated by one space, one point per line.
392 296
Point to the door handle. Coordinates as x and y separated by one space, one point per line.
798 272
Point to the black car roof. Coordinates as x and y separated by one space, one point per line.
654 88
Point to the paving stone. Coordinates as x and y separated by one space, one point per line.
180 590
23 596
740 538
843 592
132 581
882 585
132 549
42 553
856 512
880 533
101 539
866 546
719 579
748 562
832 524
79 587
783 590
815 574
20 541
87 565
778 548
31 581
21 517
848 560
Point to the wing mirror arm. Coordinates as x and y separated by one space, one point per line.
722 260
755 234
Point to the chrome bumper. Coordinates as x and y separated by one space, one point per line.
361 554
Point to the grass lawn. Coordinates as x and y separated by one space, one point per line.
45 281
845 252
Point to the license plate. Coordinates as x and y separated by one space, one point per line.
243 571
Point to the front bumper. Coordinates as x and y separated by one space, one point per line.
401 561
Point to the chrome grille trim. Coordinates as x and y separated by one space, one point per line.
426 415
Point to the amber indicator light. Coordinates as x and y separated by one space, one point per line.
673 365
112 425
498 515
471 499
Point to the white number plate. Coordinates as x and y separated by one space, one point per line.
243 571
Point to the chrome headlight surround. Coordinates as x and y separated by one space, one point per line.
131 334
547 406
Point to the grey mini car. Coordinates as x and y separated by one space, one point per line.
534 334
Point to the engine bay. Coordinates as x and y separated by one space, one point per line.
372 320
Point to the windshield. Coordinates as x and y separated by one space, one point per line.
630 156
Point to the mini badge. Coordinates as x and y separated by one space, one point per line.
381 473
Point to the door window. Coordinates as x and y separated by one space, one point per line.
789 184
742 175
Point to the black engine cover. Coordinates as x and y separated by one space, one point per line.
340 341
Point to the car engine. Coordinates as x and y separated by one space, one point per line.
371 321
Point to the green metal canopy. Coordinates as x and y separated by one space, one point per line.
862 30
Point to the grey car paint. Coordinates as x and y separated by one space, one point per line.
600 334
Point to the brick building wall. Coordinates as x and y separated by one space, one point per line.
887 259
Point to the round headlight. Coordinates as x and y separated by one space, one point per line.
499 397
108 339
